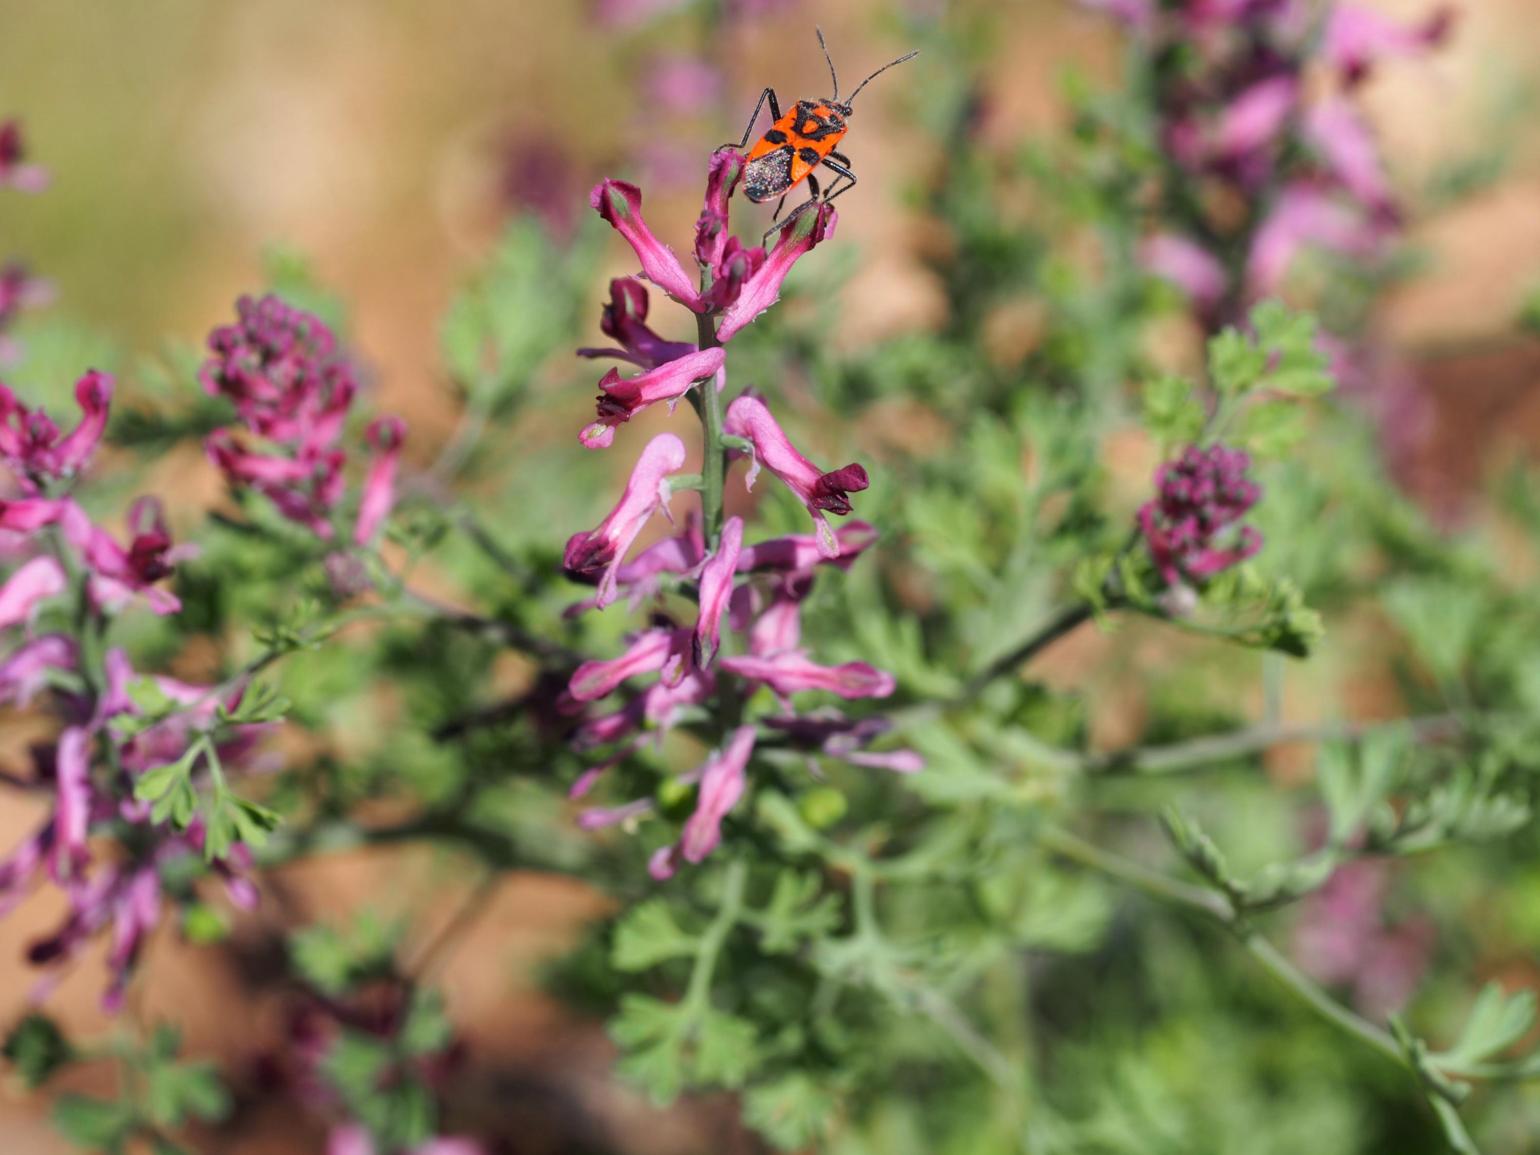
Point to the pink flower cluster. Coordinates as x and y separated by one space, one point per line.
1189 525
67 577
293 390
1237 116
674 671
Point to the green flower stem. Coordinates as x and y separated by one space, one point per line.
713 455
1290 977
709 948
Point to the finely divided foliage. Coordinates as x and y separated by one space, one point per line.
865 759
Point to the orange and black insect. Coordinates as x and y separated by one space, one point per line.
800 141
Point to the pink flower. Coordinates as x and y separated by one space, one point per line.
19 291
651 652
1187 265
722 782
791 672
625 320
117 575
14 171
628 13
763 288
26 670
384 437
711 233
1306 217
1336 130
1257 116
716 587
833 735
621 205
749 418
72 803
32 584
31 444
622 399
597 555
1357 37
800 554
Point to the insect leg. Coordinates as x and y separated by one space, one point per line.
748 131
839 164
811 202
779 205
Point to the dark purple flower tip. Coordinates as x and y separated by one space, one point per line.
831 491
14 171
586 558
1199 496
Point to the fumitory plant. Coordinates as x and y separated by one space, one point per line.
1047 728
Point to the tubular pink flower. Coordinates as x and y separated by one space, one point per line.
35 582
1187 265
384 437
620 204
1357 37
763 288
749 418
625 320
711 233
135 915
93 393
14 171
801 553
722 783
624 398
716 587
598 553
29 514
649 653
1336 130
791 672
778 628
26 670
831 734
72 804
118 574
1306 217
1256 116
20 870
31 444
737 267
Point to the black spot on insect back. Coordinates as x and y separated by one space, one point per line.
808 156
768 176
775 136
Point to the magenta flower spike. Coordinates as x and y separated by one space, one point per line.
597 555
749 418
763 289
716 587
385 437
623 398
32 584
1200 496
620 204
791 672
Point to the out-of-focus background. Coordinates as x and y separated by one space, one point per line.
387 139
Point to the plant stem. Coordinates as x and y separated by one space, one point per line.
1066 622
734 878
713 468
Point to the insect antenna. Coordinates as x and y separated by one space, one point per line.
830 61
908 56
